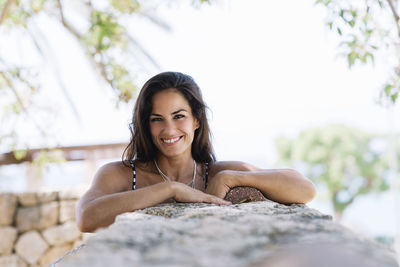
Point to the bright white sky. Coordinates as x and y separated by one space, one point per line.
266 68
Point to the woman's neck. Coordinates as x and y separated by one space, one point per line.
177 168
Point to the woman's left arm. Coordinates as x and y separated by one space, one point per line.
285 186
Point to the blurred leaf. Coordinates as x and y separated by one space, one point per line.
20 154
45 157
361 31
351 58
394 97
37 5
387 89
126 6
105 32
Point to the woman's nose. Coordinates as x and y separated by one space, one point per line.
169 127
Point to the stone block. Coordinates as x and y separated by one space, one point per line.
37 217
11 261
27 218
53 254
31 246
8 205
71 194
27 199
61 234
49 215
45 197
8 236
67 210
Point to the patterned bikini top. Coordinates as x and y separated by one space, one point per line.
134 175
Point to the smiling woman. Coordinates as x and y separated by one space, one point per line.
170 159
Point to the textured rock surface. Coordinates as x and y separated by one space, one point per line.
11 261
28 199
8 236
44 197
316 255
61 234
8 205
37 211
37 217
54 253
31 246
71 194
248 234
67 210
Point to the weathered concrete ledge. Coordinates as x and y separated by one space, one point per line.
249 234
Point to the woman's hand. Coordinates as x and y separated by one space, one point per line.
184 193
221 183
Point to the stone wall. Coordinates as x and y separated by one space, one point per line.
256 234
36 228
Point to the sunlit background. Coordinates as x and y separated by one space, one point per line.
267 69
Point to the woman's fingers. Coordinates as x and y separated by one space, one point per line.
219 201
185 193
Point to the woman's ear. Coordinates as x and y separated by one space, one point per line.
196 124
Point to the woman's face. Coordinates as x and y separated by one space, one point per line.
172 124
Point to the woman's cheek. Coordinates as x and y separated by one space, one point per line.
154 130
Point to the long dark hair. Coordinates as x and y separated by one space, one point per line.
141 147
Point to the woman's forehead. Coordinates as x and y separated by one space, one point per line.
169 100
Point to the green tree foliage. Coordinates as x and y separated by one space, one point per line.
365 28
340 158
103 30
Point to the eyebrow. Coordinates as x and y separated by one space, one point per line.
173 113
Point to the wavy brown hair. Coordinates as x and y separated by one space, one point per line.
141 147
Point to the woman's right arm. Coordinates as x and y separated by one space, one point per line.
106 198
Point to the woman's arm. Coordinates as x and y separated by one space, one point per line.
106 199
285 186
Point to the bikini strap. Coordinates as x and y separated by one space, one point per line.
133 174
206 175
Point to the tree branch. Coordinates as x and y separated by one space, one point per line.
19 100
64 22
395 15
98 66
5 10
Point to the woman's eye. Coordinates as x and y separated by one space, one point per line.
155 119
179 116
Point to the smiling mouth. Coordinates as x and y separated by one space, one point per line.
171 140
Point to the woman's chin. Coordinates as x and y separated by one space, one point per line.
170 153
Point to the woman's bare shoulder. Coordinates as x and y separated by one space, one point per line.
231 165
112 177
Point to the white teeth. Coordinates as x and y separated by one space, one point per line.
169 141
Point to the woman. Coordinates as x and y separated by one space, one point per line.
170 158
